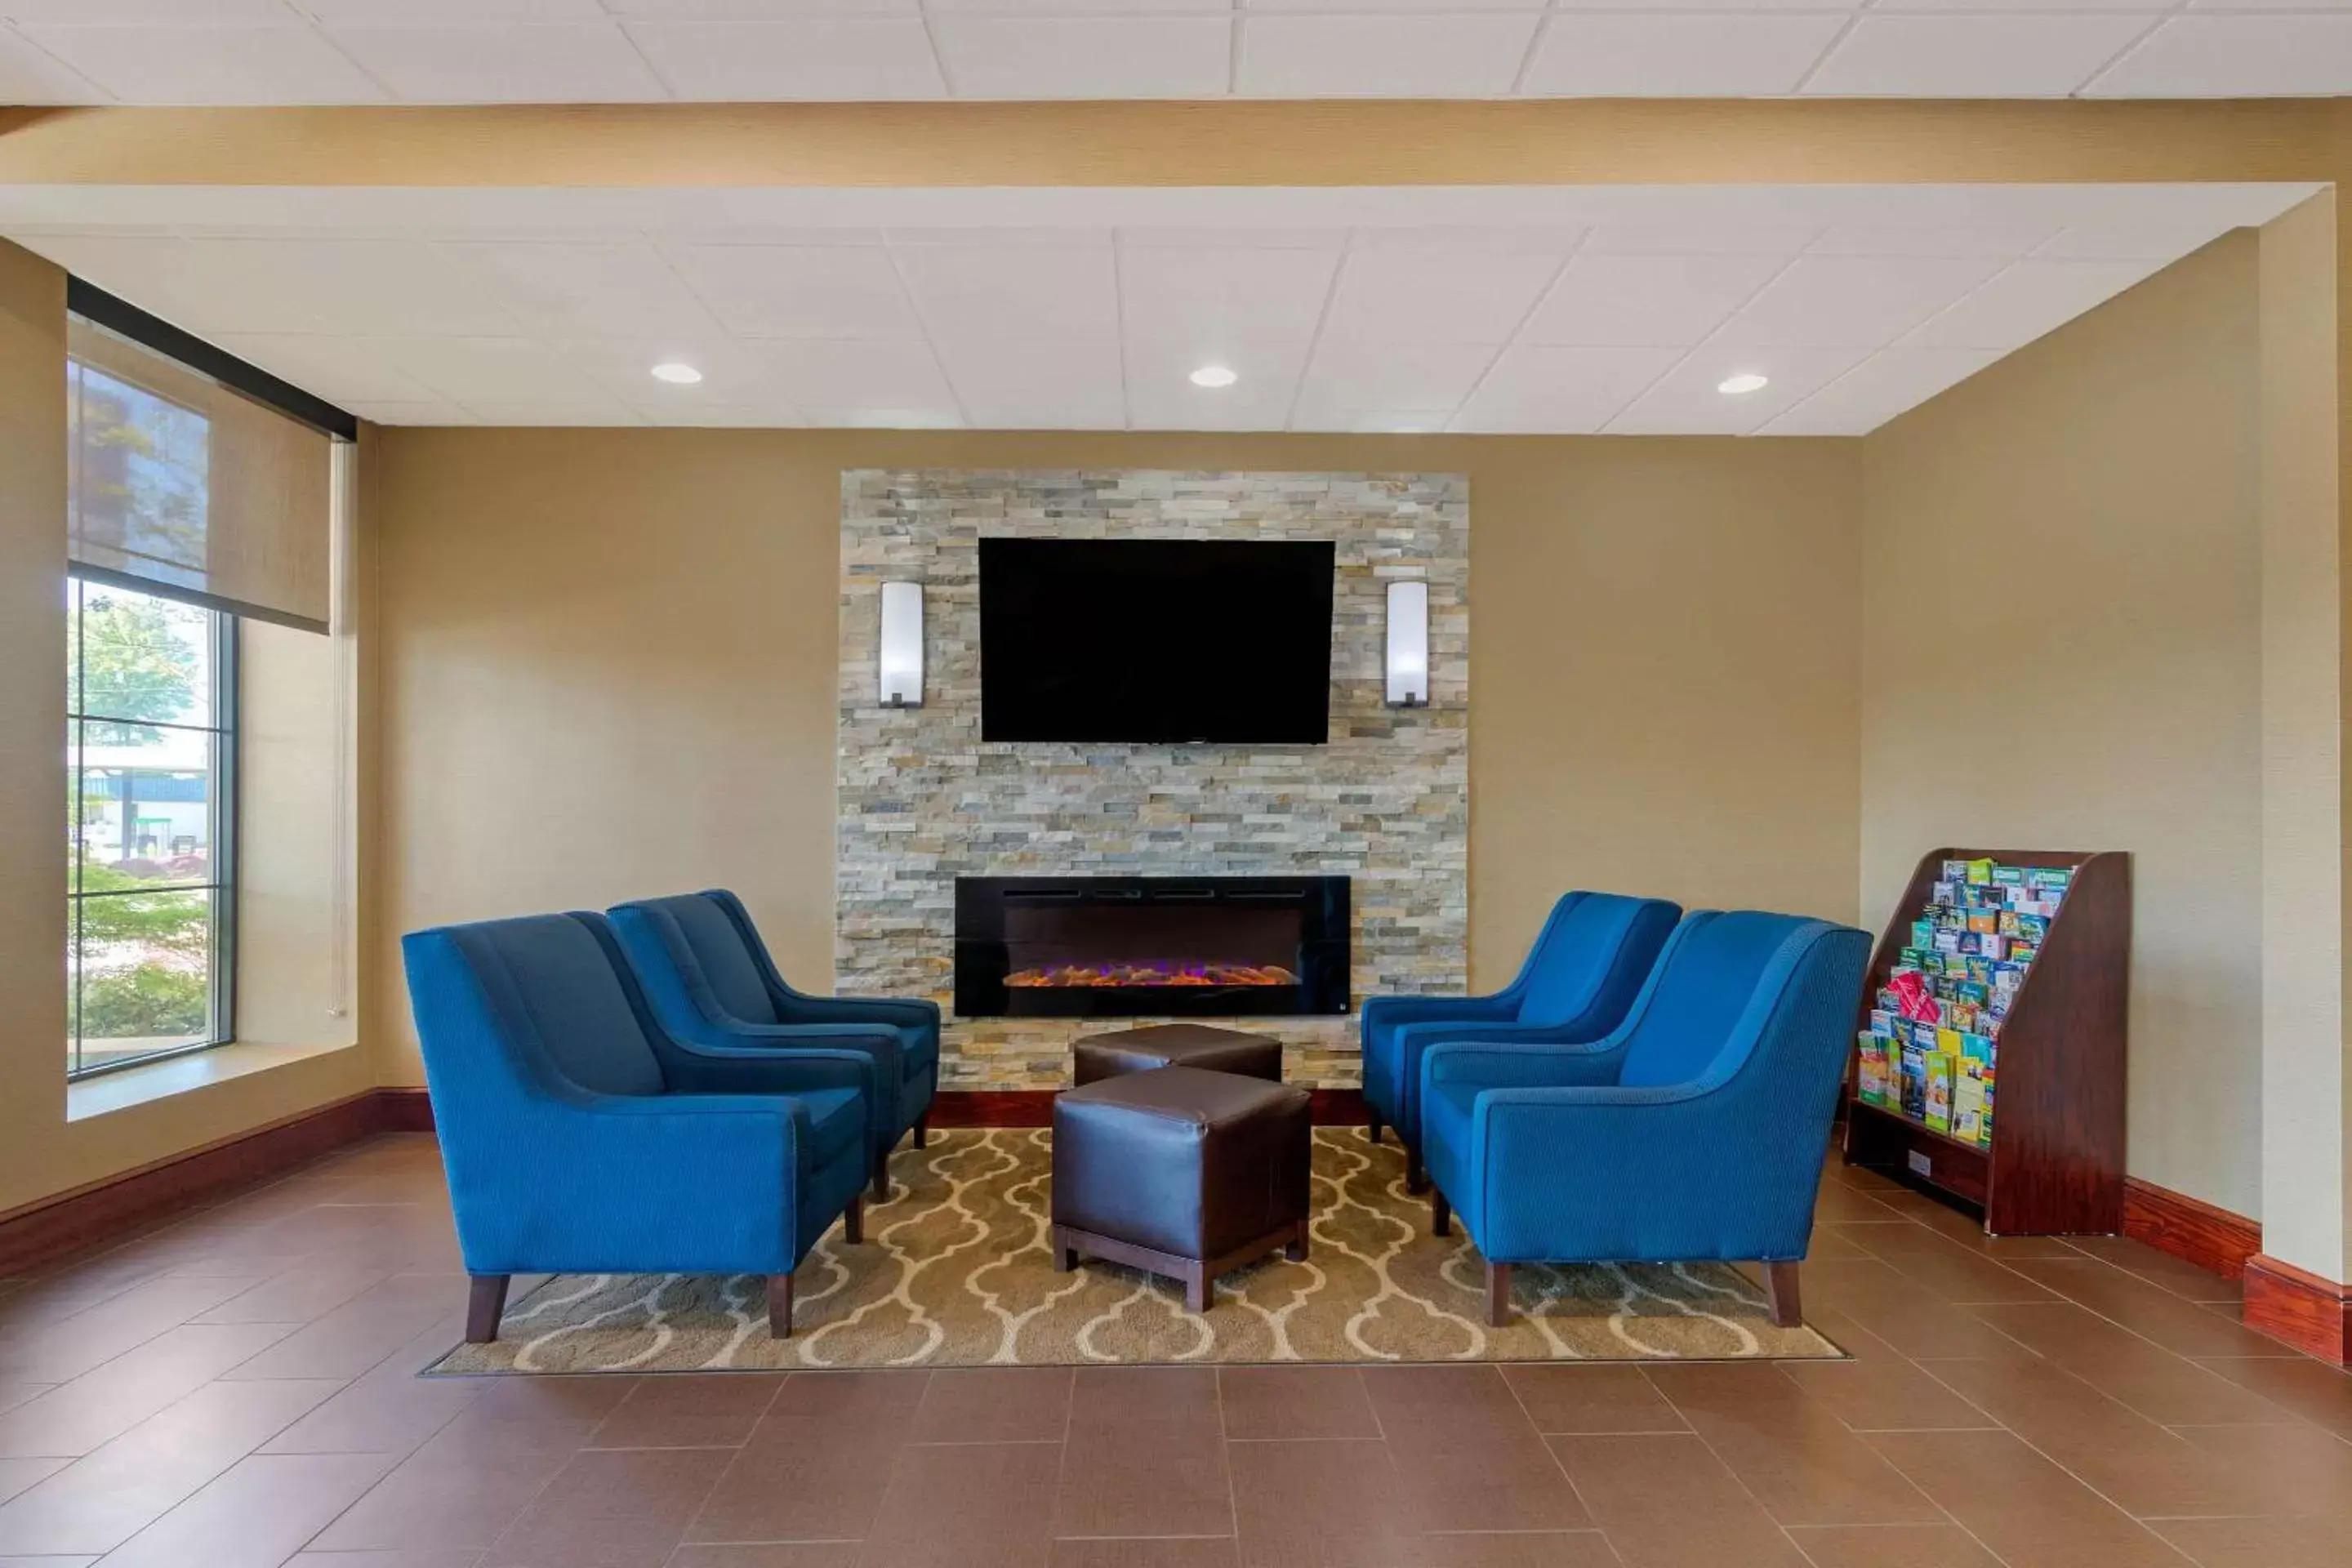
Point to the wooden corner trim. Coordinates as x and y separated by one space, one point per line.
2298 1307
2212 1237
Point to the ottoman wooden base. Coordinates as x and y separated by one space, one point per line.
1198 1274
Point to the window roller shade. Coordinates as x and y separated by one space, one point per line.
183 487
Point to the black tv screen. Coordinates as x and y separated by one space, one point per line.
1155 641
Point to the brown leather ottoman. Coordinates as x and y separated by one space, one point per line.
1181 1171
1156 1046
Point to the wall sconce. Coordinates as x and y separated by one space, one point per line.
902 651
1408 662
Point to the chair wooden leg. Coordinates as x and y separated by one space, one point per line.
922 1129
485 1302
780 1306
1781 1291
1416 1180
881 1185
1498 1295
1196 1288
1296 1250
853 1222
1441 1214
1373 1125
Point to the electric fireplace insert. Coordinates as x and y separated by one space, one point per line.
1131 947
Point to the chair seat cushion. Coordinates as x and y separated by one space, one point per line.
836 1120
1446 1126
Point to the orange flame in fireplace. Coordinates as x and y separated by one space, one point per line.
1121 975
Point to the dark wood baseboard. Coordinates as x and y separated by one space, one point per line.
103 1213
2298 1307
1034 1107
405 1111
2189 1228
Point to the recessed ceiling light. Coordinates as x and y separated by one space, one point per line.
678 373
1739 386
1213 375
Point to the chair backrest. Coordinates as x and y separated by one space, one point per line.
708 938
551 989
1705 982
1594 948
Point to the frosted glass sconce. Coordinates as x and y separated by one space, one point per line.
1408 662
902 645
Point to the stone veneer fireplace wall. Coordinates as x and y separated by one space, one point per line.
922 800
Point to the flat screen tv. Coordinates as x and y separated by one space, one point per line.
1156 640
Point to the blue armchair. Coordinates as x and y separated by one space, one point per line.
580 1138
1694 1131
1586 967
709 979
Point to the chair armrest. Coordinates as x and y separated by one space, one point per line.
1392 1012
799 1010
692 1068
1500 1064
1421 1037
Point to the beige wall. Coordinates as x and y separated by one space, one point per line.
2063 649
607 667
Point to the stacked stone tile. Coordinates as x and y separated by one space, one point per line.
923 800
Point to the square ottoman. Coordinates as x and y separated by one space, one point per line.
1155 1046
1182 1173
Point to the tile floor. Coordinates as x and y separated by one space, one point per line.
235 1391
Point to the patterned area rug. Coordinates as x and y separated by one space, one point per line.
955 1271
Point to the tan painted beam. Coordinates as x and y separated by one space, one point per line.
1564 141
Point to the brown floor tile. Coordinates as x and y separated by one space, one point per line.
1880 1389
300 1295
818 1463
689 1412
103 1403
1426 1403
379 1416
2149 1311
2160 1384
383 1560
2182 1277
98 1501
803 1554
1501 1479
460 1489
1317 1504
256 1515
1667 1501
1964 1276
611 1508
2316 1392
2258 1542
1117 1395
1164 1553
994 1405
1591 1399
2304 1470
360 1332
1843 1205
1907 1315
966 1505
1149 1477
2027 1510
1295 1402
1511 1549
62 1350
1706 1544
1796 1459
1892 1546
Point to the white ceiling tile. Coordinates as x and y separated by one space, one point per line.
592 413
159 13
1161 397
1990 239
1686 403
1371 421
1423 7
1221 300
726 416
806 57
1886 384
751 10
888 419
1554 241
2270 5
1570 391
1370 378
2026 301
732 372
28 74
426 411
1718 238
1033 237
1232 236
2236 57
1834 302
867 382
1073 7
2016 5
1668 55
549 63
1005 293
310 285
1084 57
1976 56
442 13
585 290
160 65
482 372
1572 6
342 370
1012 385
1464 55
2130 242
800 291
1646 299
1435 297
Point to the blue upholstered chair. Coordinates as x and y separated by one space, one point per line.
1586 967
580 1138
1695 1130
711 980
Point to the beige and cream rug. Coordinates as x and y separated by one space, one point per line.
955 1271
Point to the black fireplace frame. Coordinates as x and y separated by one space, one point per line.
984 958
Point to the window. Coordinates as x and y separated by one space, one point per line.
150 749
